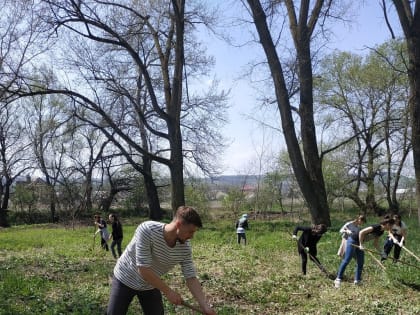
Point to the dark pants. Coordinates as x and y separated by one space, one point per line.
118 244
104 244
241 236
304 258
389 244
121 297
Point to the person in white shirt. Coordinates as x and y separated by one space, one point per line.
241 226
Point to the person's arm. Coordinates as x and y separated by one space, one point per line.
344 228
154 280
295 231
376 243
197 291
362 235
100 224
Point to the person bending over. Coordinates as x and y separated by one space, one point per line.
154 250
307 243
397 236
354 248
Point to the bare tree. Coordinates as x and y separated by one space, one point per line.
45 123
15 155
85 153
307 164
18 47
151 50
409 16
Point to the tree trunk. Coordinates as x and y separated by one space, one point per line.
410 23
174 122
309 176
4 222
155 211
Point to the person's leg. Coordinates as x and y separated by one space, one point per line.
387 248
244 236
239 238
360 258
119 242
397 248
314 258
304 258
113 248
348 255
120 298
151 302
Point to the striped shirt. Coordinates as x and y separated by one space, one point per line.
148 248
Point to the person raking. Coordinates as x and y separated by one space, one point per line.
153 251
307 243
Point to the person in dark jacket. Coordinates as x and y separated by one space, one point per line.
116 235
307 243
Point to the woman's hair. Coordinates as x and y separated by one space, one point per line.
114 216
397 217
387 221
361 218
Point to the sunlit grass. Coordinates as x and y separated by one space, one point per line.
56 270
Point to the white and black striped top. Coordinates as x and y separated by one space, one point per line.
148 248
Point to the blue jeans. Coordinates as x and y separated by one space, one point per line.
350 252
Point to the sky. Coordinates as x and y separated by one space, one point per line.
248 141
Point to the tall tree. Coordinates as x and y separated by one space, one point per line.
138 99
45 122
18 47
307 164
15 156
409 16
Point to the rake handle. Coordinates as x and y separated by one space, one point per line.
192 307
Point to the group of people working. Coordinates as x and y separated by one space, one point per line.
157 247
352 244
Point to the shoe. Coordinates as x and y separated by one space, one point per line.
337 283
384 256
357 282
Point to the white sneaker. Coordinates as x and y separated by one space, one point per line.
337 283
358 282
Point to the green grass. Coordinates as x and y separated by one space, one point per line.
47 269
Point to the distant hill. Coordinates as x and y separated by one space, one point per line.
234 180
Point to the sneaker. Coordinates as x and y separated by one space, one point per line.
337 283
357 282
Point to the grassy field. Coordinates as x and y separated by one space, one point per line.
49 269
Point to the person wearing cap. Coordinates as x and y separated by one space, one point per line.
241 226
306 244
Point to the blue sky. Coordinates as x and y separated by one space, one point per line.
249 142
